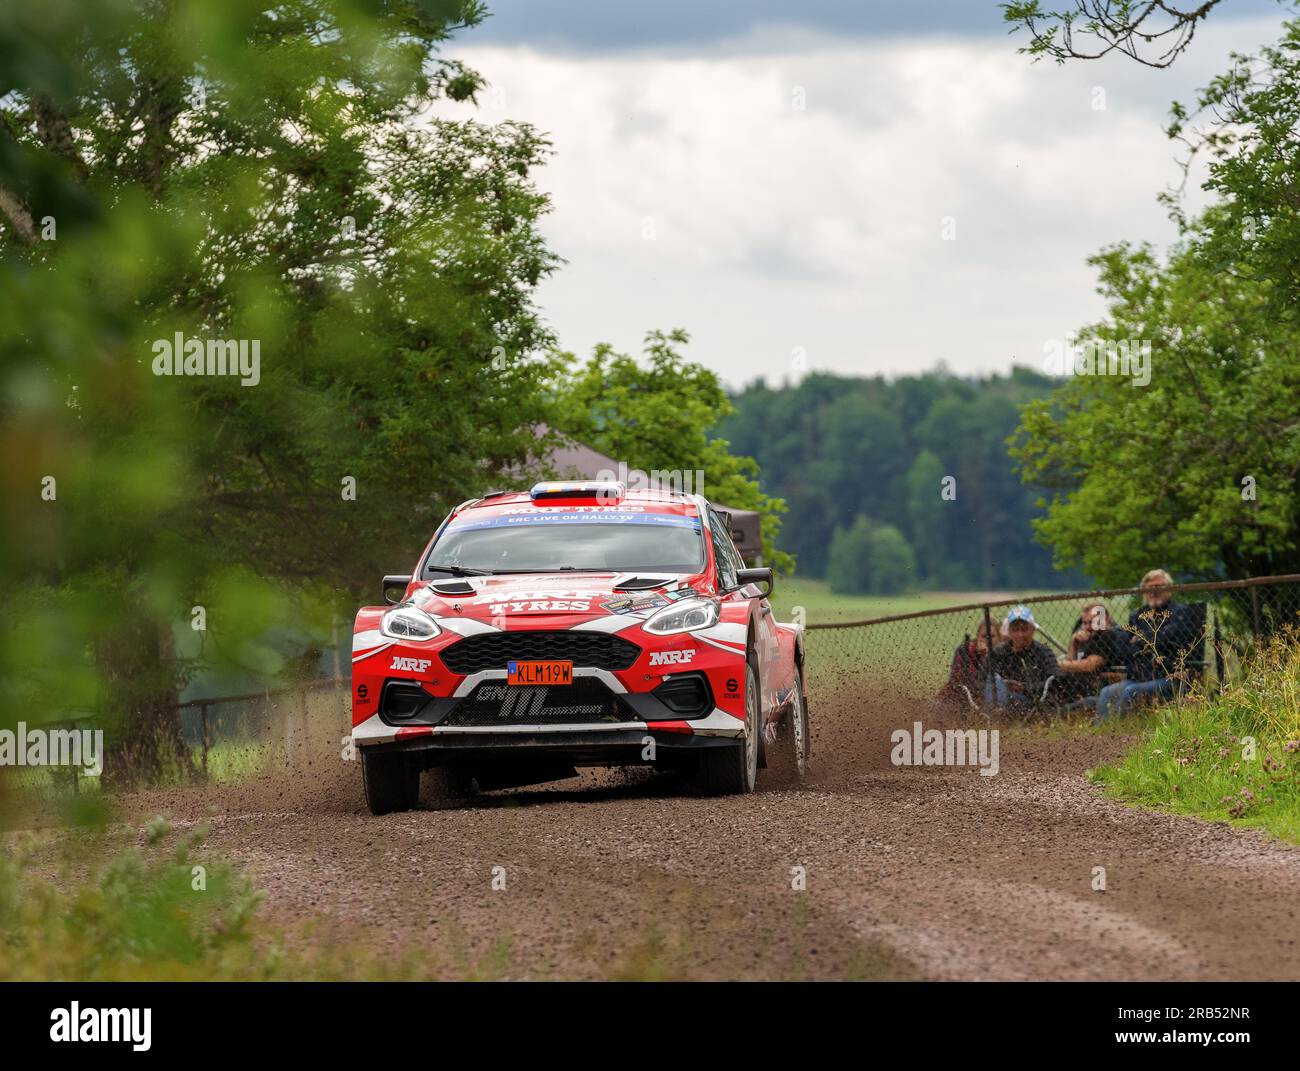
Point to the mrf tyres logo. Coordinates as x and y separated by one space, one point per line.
75 1023
411 665
670 658
946 747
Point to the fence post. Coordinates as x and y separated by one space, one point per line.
203 721
1254 612
1218 650
988 661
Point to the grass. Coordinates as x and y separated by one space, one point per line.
111 903
1234 757
139 913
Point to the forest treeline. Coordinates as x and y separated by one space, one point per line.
896 483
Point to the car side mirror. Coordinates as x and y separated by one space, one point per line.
395 583
756 576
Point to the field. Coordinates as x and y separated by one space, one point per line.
820 604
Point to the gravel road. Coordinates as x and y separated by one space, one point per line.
910 872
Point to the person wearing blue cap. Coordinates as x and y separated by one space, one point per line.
1021 666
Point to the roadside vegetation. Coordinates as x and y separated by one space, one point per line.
109 902
1233 757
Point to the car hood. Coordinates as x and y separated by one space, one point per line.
496 599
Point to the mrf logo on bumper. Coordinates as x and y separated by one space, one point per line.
670 658
411 665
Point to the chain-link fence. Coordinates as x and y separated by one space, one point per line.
234 735
941 655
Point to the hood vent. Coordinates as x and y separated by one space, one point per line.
641 583
452 587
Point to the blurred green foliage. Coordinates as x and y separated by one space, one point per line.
867 558
280 178
232 171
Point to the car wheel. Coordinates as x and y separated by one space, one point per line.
791 748
733 770
801 723
391 782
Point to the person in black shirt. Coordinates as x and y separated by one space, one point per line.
1160 637
1022 665
1098 654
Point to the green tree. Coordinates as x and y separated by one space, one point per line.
835 446
925 514
870 559
656 415
1199 470
1196 472
1154 33
232 171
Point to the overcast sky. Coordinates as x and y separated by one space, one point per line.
779 178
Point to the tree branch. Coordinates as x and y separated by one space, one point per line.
18 216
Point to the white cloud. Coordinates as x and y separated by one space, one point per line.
776 228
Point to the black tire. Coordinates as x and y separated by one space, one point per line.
732 771
391 781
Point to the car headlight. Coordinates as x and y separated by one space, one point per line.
688 616
408 623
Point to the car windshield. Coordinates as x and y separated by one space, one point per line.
526 544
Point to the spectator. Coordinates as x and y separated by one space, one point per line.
1021 666
1160 635
967 670
1095 651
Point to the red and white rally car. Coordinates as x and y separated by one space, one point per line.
578 624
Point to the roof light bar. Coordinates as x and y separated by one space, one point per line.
607 492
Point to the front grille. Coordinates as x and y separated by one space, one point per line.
585 701
492 650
